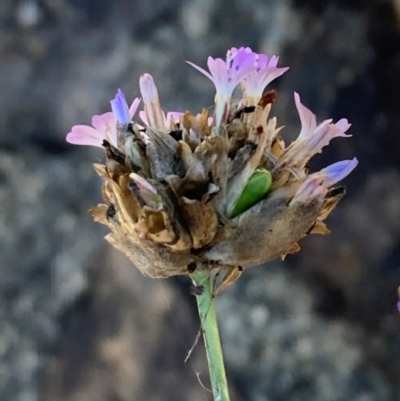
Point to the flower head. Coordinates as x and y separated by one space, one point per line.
104 125
226 75
180 192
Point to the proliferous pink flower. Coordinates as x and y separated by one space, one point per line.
104 126
312 138
265 72
226 75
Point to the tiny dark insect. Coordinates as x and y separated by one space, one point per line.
191 267
111 212
244 110
177 135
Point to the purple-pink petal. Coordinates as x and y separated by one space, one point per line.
220 76
134 107
256 82
143 117
103 121
264 71
307 118
273 62
343 124
202 70
172 116
310 189
243 60
85 135
143 184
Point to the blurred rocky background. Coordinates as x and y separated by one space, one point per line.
77 320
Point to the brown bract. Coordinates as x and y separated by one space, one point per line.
169 194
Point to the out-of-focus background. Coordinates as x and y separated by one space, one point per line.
77 320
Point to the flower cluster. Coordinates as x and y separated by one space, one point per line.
224 190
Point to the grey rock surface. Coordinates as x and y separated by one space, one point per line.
78 322
275 341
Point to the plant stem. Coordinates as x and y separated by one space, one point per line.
209 326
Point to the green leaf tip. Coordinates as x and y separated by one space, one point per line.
257 187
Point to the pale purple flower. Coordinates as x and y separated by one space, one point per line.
316 185
264 73
226 75
151 102
312 138
104 127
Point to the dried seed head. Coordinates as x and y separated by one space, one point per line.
223 190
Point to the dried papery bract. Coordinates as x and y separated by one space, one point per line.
223 191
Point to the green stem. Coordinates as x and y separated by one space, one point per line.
209 326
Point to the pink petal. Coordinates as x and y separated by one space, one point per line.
103 122
343 124
206 73
273 62
244 62
307 118
143 184
262 61
219 72
269 74
310 189
143 117
134 106
85 135
176 117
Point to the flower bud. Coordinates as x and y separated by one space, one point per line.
151 102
